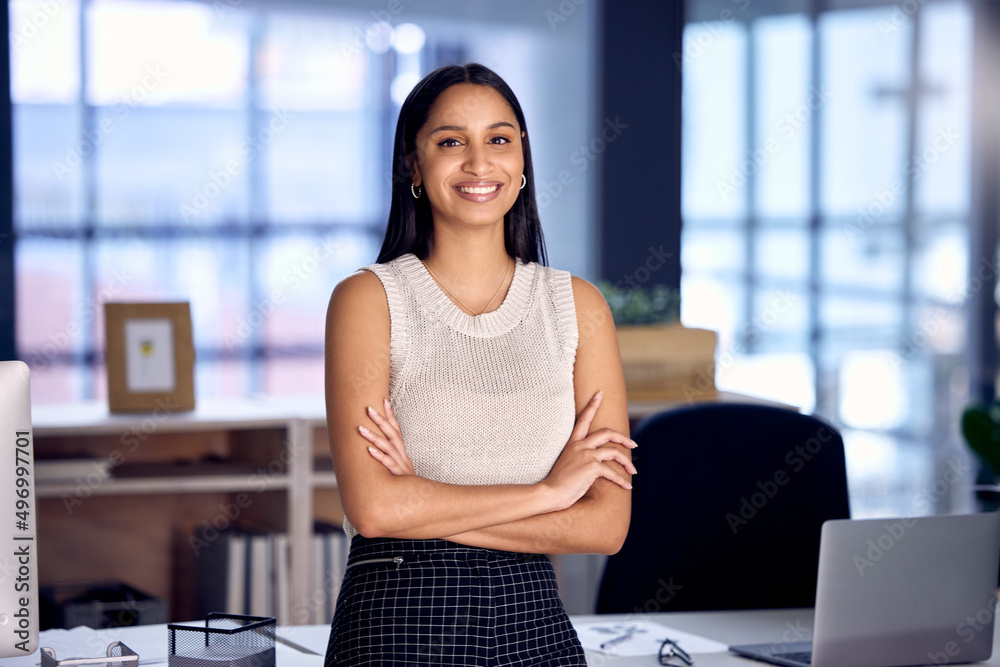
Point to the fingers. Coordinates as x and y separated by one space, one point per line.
389 428
582 426
390 416
604 454
388 448
605 435
609 474
390 463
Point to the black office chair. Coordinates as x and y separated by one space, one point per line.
727 507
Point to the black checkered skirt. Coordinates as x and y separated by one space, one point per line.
433 602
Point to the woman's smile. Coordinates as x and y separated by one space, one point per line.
478 192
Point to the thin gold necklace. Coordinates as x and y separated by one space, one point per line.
462 303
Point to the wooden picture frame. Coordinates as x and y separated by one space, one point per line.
149 355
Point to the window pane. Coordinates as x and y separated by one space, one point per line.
312 62
322 166
48 155
713 304
942 161
168 165
714 146
864 119
873 391
720 250
888 476
45 47
780 320
861 323
785 378
133 51
296 276
52 305
782 253
873 260
940 266
786 107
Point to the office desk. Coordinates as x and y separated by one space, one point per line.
729 627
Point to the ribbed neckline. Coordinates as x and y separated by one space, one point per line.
493 323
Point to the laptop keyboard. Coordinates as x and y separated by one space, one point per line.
805 657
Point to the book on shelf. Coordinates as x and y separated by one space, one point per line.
245 570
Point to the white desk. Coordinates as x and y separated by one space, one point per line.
729 627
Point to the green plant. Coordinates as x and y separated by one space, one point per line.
658 304
981 428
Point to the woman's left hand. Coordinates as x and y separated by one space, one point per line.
387 447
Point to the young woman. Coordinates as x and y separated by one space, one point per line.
475 403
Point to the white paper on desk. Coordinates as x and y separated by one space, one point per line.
645 638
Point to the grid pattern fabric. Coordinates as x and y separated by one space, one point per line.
432 602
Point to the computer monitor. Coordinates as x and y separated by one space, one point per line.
18 546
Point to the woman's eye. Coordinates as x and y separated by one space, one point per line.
448 143
500 140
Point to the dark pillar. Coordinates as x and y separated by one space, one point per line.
7 347
640 135
984 233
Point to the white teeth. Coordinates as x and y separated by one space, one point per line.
478 191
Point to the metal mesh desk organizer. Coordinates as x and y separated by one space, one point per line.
119 655
226 640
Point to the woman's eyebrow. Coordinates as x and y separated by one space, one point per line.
462 128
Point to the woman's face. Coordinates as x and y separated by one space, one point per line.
469 156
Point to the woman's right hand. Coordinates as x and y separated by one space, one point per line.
584 459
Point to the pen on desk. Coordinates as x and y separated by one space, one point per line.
620 638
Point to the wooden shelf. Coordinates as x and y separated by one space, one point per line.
164 485
175 472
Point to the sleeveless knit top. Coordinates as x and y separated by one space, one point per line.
484 399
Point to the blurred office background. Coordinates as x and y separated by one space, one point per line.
235 153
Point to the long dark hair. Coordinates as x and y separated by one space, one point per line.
410 227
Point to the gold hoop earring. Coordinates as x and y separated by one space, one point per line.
415 191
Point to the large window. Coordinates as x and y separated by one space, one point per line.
826 225
235 155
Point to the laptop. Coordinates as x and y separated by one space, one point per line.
901 591
18 549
